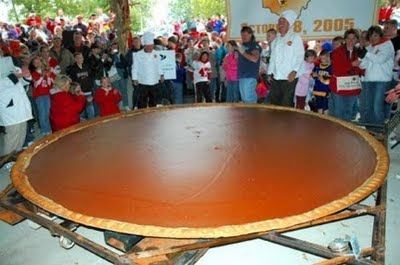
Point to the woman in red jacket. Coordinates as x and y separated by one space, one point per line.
345 84
107 98
66 104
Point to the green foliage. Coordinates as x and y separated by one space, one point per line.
189 9
181 9
382 2
49 8
139 11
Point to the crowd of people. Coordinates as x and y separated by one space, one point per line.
68 70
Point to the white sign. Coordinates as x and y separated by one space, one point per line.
168 64
346 83
318 19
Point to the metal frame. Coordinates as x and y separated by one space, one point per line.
170 251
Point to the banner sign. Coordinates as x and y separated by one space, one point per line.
348 83
318 19
168 64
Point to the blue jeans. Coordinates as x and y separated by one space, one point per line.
43 107
88 112
177 93
213 87
232 91
356 109
95 106
122 86
342 107
362 103
247 88
374 102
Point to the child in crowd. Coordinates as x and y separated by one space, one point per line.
67 102
42 82
177 94
322 75
202 77
230 66
107 98
80 73
337 42
303 84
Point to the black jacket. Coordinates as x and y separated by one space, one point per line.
81 76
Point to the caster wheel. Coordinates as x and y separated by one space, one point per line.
66 243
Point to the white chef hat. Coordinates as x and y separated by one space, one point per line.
148 38
290 16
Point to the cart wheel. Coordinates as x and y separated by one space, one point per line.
66 242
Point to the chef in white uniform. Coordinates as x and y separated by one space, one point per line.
146 72
15 111
287 56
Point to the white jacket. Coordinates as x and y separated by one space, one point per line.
287 55
201 71
378 62
146 68
15 106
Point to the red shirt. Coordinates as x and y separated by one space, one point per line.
14 47
385 12
50 25
34 21
65 110
107 101
341 66
53 64
194 34
42 83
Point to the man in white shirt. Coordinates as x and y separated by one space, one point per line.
15 111
287 56
146 72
